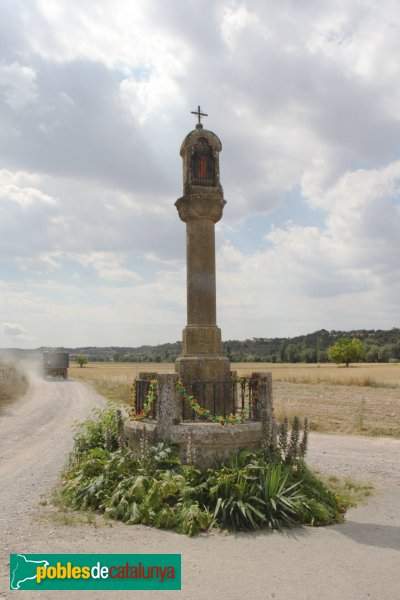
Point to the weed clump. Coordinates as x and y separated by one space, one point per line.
13 384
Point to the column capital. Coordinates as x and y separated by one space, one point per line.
200 206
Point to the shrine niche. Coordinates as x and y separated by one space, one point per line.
200 153
202 164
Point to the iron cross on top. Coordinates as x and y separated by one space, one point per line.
198 113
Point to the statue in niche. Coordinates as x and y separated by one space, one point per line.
202 164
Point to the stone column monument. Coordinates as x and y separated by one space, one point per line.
200 207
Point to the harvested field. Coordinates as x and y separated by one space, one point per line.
340 408
113 380
363 374
362 399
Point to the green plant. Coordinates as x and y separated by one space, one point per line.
291 446
98 431
13 384
154 488
346 351
360 415
192 518
280 496
268 446
81 360
350 492
256 495
319 505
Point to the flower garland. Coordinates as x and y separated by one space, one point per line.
148 405
205 413
202 412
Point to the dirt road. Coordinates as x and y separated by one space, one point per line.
355 561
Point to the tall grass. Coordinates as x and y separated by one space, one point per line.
12 387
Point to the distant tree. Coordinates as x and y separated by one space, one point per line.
371 353
323 356
309 355
346 351
292 354
81 360
386 352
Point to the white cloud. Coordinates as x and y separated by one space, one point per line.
108 265
24 196
17 85
94 103
39 264
347 268
16 332
12 329
236 18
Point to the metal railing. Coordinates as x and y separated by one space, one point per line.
221 398
142 389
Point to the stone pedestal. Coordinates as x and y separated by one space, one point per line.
208 368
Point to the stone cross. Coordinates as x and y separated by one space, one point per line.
200 208
199 114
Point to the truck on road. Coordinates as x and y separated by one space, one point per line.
55 364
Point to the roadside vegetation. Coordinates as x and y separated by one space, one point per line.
13 384
272 488
352 492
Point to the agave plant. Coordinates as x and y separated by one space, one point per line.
280 497
258 495
237 504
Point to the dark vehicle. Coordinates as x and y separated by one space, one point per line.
56 364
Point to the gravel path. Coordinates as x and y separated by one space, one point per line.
357 560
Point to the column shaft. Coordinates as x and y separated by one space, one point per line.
201 285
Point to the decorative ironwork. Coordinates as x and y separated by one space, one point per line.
202 165
239 400
141 397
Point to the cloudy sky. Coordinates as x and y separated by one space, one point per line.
95 99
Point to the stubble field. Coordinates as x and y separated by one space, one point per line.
362 399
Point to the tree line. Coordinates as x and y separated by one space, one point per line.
376 346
